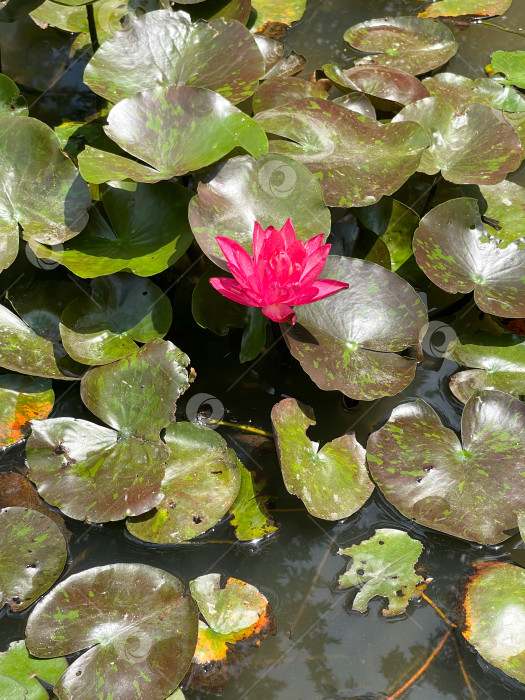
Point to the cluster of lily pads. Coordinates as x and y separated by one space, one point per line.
204 129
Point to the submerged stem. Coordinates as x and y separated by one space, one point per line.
438 610
240 426
503 29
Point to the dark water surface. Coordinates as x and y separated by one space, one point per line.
321 649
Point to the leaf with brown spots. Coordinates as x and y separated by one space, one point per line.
22 399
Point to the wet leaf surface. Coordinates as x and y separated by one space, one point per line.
133 650
350 341
33 554
270 11
251 518
356 159
22 399
511 64
506 210
333 481
455 8
384 566
200 484
18 665
461 91
470 489
283 90
454 249
12 103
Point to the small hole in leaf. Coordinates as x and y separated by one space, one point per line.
419 479
16 599
172 504
144 294
31 566
78 673
381 542
360 572
197 519
400 593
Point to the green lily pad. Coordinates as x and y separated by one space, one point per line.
202 126
357 160
100 474
349 342
506 212
283 90
269 190
22 399
461 91
11 689
471 490
494 608
54 211
133 650
72 17
458 8
499 363
148 231
383 566
410 44
474 146
251 518
33 554
333 481
164 48
200 484
12 103
270 11
17 664
511 64
454 250
122 309
387 87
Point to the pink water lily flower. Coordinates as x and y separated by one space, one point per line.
283 272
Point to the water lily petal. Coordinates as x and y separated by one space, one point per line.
233 290
288 234
240 263
314 264
280 313
314 243
259 236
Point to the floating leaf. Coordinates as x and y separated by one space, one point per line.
101 474
494 608
12 103
11 689
357 102
202 126
22 399
461 91
200 484
33 554
407 43
134 650
17 664
275 11
333 481
506 212
454 250
164 48
350 341
251 518
122 309
269 190
384 566
283 90
357 160
72 17
458 8
148 231
511 64
54 211
276 63
474 146
500 363
471 490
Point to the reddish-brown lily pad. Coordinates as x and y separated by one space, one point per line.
22 399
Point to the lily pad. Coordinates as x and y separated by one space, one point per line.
499 363
100 474
202 127
459 8
471 490
269 190
54 211
122 309
283 90
148 231
410 44
357 102
474 146
511 64
454 250
200 484
461 91
357 160
275 11
383 566
164 48
33 554
276 63
17 664
494 607
349 342
506 212
12 103
22 399
333 481
133 650
251 518
72 17
11 689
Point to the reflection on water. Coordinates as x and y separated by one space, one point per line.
321 649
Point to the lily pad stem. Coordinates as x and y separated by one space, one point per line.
240 426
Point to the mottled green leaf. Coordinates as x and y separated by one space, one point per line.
268 11
383 566
22 399
251 518
200 484
350 341
410 44
454 250
511 64
458 8
16 663
494 609
283 90
471 489
164 48
461 91
72 17
505 212
277 64
333 481
357 160
133 650
12 103
33 554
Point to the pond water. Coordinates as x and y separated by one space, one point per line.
321 649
